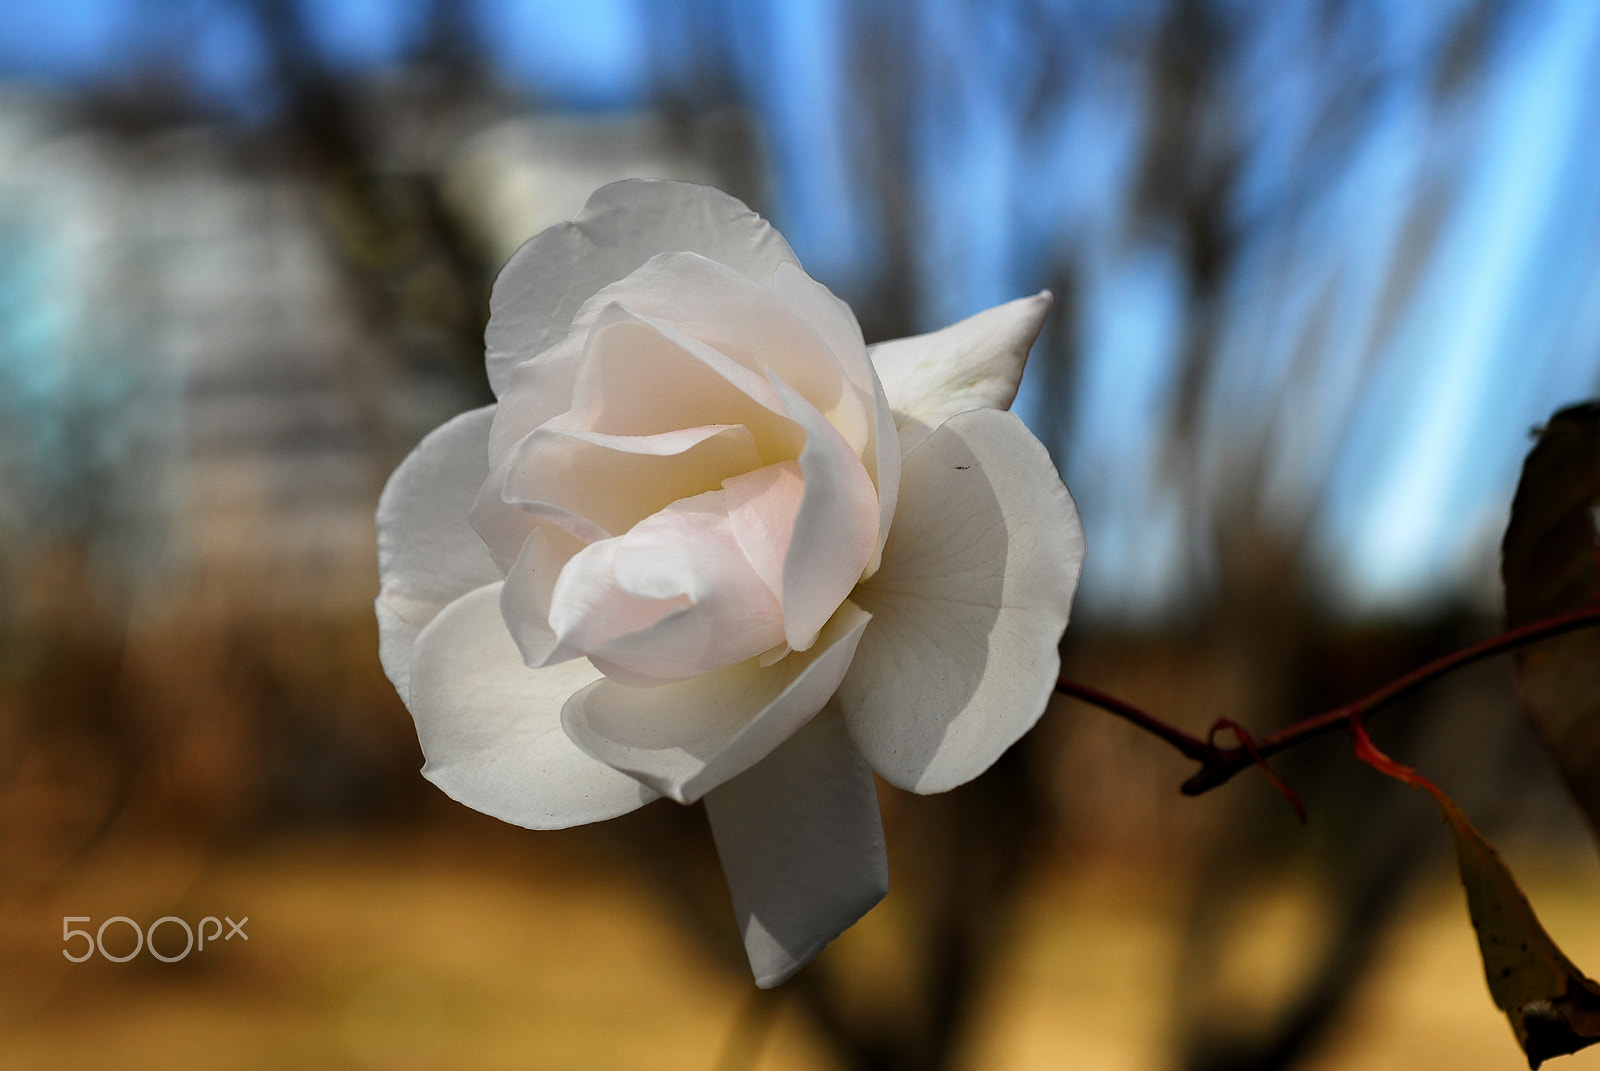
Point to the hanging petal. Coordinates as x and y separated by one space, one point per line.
490 727
542 286
977 581
685 739
428 555
974 363
801 843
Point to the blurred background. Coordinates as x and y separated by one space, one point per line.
1320 266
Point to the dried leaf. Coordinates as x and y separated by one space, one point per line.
1553 1007
1551 564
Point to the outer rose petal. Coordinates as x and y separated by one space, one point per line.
428 555
491 727
533 392
975 363
977 579
686 738
802 846
624 224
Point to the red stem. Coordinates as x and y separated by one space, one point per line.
1218 764
1193 747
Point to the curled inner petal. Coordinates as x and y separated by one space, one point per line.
762 508
641 376
685 738
686 296
671 599
835 532
616 481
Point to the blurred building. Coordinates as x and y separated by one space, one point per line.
199 336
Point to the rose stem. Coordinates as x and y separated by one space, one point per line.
1219 764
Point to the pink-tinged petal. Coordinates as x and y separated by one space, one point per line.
836 325
977 581
490 727
624 224
428 555
975 363
801 843
590 608
673 598
762 508
685 739
836 530
616 481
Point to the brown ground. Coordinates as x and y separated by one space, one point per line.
478 947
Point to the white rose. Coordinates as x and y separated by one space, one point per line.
708 544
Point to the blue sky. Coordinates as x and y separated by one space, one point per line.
1391 430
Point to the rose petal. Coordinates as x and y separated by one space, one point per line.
833 321
505 527
530 583
428 555
616 481
624 224
673 598
502 527
535 391
639 377
836 530
975 363
687 738
642 376
801 843
836 325
749 324
977 581
590 608
762 508
491 727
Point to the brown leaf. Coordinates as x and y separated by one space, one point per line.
1554 1009
1551 564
